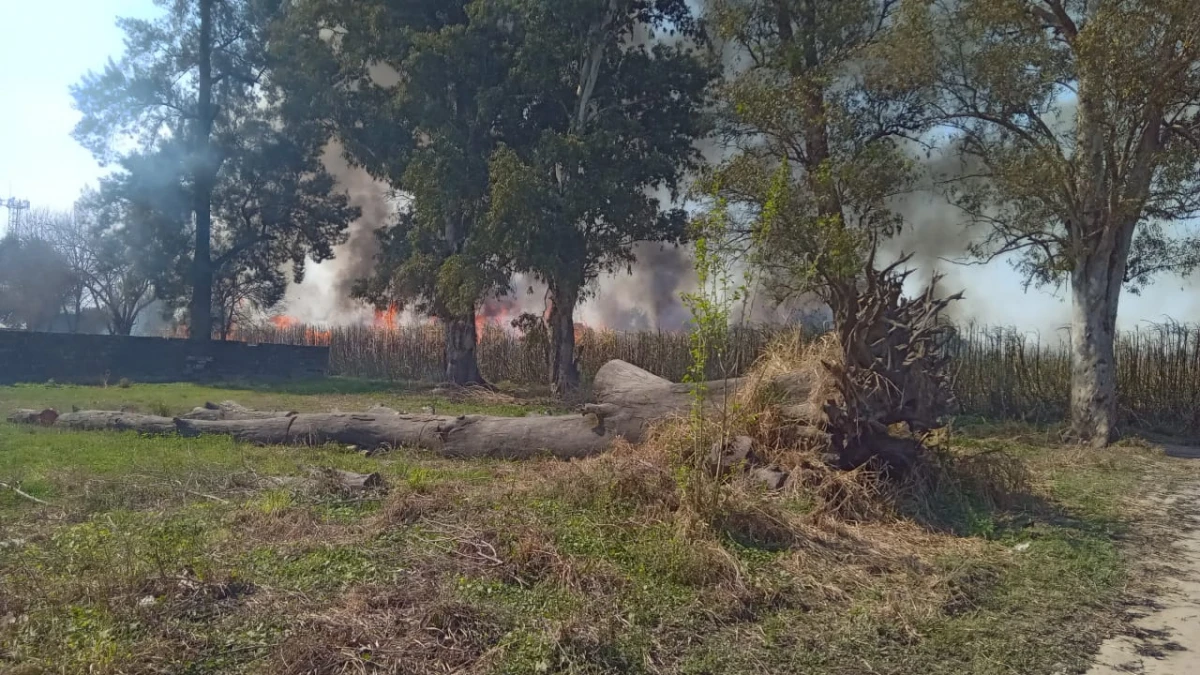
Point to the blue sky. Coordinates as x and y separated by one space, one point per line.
47 46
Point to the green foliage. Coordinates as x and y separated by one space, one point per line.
818 137
590 163
273 203
597 120
1085 142
429 133
527 135
711 308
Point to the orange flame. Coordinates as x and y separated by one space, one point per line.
387 319
313 336
494 313
283 322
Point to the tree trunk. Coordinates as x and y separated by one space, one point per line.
231 410
120 324
462 366
115 420
564 371
1095 293
645 398
200 327
75 312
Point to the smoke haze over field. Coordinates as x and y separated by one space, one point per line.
649 298
43 164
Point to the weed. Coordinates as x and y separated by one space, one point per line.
161 408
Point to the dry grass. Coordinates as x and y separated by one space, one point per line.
603 565
416 353
593 566
414 629
1004 374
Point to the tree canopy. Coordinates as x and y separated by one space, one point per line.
1081 119
412 91
189 112
604 108
815 138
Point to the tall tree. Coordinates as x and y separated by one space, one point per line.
411 91
69 236
1083 119
193 88
605 108
179 73
815 140
107 262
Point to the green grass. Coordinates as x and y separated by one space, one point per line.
303 396
170 555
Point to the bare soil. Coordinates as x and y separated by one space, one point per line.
1163 636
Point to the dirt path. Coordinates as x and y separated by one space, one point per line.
1165 639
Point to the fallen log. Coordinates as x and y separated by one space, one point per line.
115 420
561 436
647 397
43 418
629 401
231 410
641 398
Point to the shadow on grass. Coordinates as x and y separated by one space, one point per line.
991 494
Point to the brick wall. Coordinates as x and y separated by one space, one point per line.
63 357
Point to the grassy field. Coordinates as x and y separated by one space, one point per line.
171 555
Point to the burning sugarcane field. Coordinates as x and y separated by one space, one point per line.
600 336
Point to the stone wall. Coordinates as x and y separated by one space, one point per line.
89 359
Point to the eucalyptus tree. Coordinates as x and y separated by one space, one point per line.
605 101
412 91
1083 118
191 99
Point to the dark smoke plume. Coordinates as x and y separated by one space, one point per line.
935 233
324 297
357 255
649 297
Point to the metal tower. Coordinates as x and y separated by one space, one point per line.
16 208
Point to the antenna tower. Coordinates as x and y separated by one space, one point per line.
16 221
